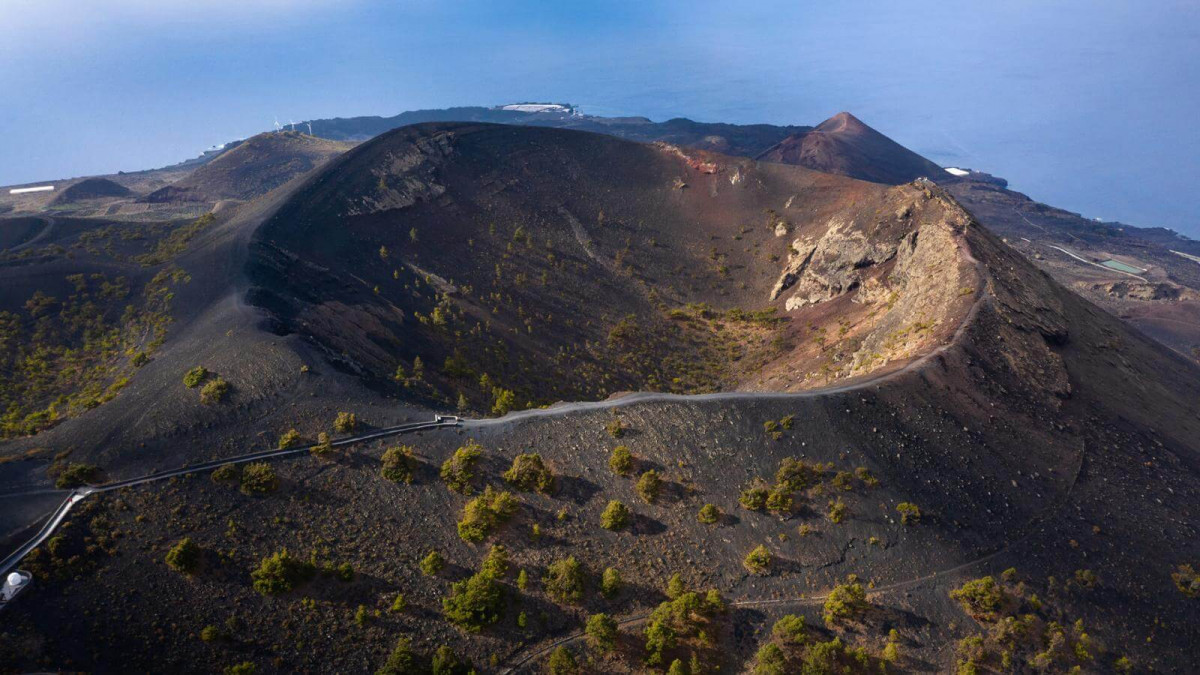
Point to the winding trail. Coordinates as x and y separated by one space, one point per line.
79 494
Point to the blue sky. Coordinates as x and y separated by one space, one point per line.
1086 104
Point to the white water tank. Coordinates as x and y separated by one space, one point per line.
15 579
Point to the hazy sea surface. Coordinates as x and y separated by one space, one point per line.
1090 105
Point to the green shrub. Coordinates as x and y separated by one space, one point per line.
211 633
649 486
601 631
564 581
496 561
864 474
280 573
910 514
709 514
844 603
675 587
616 516
796 474
194 377
611 583
485 513
660 638
758 560
226 472
214 391
621 461
323 446
432 564
446 662
837 511
1187 580
981 598
504 401
562 662
402 661
345 422
75 475
184 557
770 660
522 580
780 500
398 464
258 478
139 359
755 496
529 473
615 428
243 668
399 603
289 439
459 471
474 603
790 630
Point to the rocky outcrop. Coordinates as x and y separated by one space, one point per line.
1143 291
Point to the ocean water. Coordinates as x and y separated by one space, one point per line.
1090 105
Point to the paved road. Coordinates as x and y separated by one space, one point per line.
78 495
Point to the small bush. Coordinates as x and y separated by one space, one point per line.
837 511
562 662
981 598
758 560
621 461
259 478
214 391
345 422
780 500
616 516
243 668
796 474
75 475
446 662
529 473
770 660
755 496
323 446
398 464
910 514
615 428
432 564
139 359
459 471
280 573
289 439
844 603
485 513
474 603
400 603
184 557
564 581
402 661
1187 580
226 472
649 486
601 631
211 633
709 514
194 377
675 587
790 630
611 583
496 562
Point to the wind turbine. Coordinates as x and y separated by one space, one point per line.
292 124
277 126
310 129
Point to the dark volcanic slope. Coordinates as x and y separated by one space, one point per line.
844 145
485 250
251 168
